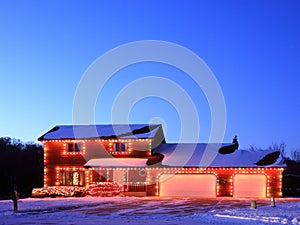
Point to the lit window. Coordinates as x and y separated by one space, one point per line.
75 178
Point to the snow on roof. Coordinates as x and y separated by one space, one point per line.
126 131
117 162
207 155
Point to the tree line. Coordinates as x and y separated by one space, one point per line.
21 167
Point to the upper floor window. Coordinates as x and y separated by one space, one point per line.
120 147
74 147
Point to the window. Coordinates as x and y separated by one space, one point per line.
75 178
70 147
74 147
72 178
117 147
123 147
120 147
77 147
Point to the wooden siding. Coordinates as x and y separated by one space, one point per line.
54 156
57 153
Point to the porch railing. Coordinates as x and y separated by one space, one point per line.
135 187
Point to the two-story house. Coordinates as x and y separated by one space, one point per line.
137 157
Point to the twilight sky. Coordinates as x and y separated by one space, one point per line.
252 47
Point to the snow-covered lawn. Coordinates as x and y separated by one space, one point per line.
149 210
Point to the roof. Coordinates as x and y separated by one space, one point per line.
117 162
208 155
105 131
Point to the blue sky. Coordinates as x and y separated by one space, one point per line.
252 47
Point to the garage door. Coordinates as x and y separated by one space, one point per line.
249 185
187 185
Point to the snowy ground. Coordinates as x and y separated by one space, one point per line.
149 210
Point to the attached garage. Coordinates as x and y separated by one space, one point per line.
199 185
245 185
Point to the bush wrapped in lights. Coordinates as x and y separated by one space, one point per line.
59 191
100 189
104 189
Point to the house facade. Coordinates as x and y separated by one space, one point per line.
137 157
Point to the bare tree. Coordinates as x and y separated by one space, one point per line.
295 155
281 147
253 148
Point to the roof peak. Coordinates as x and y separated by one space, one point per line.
107 124
91 131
